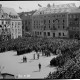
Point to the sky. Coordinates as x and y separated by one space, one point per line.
32 5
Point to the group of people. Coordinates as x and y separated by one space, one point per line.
25 60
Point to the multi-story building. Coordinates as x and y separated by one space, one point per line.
74 23
55 21
10 23
26 21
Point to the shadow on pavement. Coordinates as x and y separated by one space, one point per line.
22 62
36 71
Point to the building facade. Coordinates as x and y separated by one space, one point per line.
10 23
26 21
74 24
55 21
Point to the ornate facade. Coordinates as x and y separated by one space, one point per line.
10 23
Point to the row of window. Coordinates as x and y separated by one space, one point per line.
48 34
49 27
48 16
11 16
16 23
73 16
37 33
14 17
27 22
49 21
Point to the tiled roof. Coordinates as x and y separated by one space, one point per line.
58 9
10 11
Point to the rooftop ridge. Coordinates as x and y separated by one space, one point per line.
56 9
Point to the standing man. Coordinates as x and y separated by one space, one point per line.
34 56
38 55
39 67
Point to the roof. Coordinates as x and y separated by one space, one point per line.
10 11
26 15
58 9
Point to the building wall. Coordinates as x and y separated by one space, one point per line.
26 21
16 28
10 24
49 24
74 24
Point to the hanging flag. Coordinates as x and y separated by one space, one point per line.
20 8
39 5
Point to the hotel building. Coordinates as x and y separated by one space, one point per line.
57 21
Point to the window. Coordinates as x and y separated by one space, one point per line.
18 23
12 23
40 33
63 27
44 27
34 22
2 16
70 16
15 23
53 21
48 33
6 22
40 13
35 32
58 26
49 21
2 22
74 16
63 34
28 22
44 21
0 25
44 33
63 15
49 26
44 16
59 34
63 20
53 34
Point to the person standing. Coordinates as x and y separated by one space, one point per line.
34 56
24 59
38 56
39 67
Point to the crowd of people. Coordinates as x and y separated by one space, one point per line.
38 44
47 46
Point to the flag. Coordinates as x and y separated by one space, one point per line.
20 8
39 5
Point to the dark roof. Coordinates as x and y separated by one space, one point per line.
24 15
